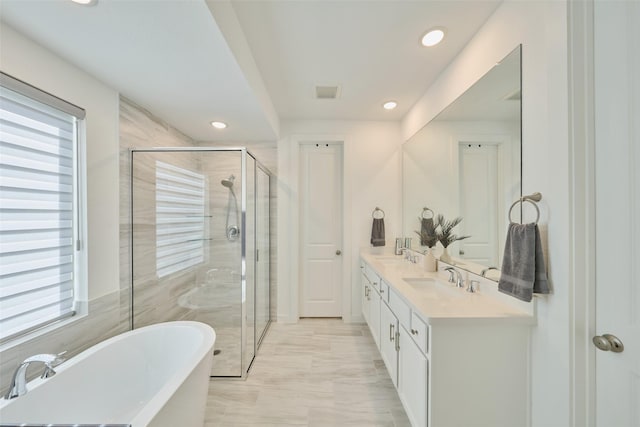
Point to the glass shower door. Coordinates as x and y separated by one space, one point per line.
187 234
263 257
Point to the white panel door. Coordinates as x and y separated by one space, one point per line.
479 203
321 230
617 157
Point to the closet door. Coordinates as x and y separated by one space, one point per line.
321 230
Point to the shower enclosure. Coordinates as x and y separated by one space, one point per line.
200 246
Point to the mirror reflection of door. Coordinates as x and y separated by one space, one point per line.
489 112
479 202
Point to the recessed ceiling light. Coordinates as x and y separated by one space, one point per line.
389 105
219 125
85 2
432 37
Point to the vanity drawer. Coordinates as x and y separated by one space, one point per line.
420 332
399 308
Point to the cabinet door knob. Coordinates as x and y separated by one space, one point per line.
338 252
414 332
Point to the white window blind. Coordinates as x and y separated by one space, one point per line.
38 212
180 218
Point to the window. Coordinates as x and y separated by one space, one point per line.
180 214
39 209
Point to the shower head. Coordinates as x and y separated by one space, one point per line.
228 182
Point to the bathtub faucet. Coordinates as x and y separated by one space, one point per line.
19 382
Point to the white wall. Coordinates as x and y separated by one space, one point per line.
541 27
31 63
372 177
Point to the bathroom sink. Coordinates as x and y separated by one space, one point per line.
389 259
422 282
432 288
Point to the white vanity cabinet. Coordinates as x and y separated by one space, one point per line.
413 371
371 301
410 373
442 363
389 341
366 297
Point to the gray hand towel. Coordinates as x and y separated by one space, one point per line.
427 228
523 270
377 232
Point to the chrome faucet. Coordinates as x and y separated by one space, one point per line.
473 286
19 382
458 277
484 272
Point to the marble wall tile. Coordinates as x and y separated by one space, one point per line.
104 319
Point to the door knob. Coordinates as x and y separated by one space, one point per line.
608 342
461 252
338 252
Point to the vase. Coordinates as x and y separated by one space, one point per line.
445 257
430 261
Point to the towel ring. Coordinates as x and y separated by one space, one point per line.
427 210
522 200
375 211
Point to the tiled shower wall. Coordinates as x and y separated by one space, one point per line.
140 129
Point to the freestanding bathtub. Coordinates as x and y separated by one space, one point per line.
155 376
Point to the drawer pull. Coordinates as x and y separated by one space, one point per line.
414 332
391 335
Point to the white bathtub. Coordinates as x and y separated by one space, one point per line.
153 376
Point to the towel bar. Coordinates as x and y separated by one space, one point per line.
427 210
377 210
531 198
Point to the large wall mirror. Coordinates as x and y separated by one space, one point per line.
466 163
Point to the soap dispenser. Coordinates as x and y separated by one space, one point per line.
430 261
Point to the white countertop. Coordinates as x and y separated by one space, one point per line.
442 302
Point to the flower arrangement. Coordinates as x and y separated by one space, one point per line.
444 230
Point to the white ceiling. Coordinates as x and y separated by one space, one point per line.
370 48
172 58
166 55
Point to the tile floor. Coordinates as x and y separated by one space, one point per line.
318 372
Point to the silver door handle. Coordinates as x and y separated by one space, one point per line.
338 252
391 326
608 342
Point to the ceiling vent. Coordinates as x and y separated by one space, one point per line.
327 92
